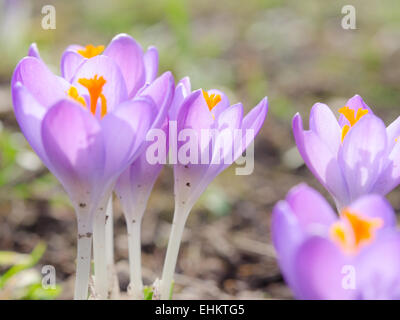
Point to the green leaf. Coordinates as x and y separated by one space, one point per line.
32 260
148 293
172 290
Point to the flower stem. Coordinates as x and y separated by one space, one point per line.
113 285
135 259
83 261
100 254
178 225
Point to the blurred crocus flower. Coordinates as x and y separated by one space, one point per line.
355 255
352 156
87 129
220 134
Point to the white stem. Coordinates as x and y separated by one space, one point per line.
100 254
83 261
135 259
113 285
178 225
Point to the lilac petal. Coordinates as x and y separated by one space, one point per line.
185 81
378 268
312 211
182 90
287 236
151 63
194 113
136 182
114 89
34 51
362 156
73 142
323 122
222 105
390 176
124 131
375 206
39 81
231 117
318 266
254 120
70 63
393 133
29 114
354 103
320 160
161 92
227 122
128 55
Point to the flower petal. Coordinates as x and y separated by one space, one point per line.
46 88
151 63
321 162
312 211
390 176
323 122
136 182
161 92
287 236
114 89
378 268
222 105
29 114
363 155
354 103
124 131
70 63
34 51
318 266
254 120
375 206
73 142
182 90
128 55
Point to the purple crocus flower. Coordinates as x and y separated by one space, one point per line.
196 112
134 187
87 127
352 156
355 255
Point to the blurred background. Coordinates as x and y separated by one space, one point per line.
295 52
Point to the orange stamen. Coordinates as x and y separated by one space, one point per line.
353 231
90 51
73 93
211 100
95 87
352 117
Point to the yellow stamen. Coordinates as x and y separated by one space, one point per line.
73 93
211 100
91 51
352 117
353 230
95 87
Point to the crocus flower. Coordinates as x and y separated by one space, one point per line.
134 186
87 128
355 255
194 113
352 156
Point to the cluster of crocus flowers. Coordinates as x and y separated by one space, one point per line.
354 253
90 127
